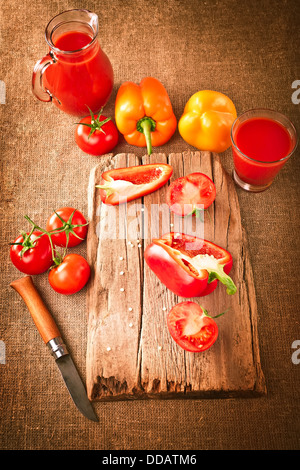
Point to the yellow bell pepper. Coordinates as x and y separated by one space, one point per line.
207 120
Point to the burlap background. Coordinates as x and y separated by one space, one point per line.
246 49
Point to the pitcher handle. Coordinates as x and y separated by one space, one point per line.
37 78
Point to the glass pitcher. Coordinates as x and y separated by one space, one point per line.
76 73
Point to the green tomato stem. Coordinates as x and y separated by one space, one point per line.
215 316
67 227
55 258
96 124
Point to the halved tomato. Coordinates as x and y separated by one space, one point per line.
190 194
191 328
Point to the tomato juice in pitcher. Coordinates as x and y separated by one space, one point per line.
76 74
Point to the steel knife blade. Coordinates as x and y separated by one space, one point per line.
52 338
75 386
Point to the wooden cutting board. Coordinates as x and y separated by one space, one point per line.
130 353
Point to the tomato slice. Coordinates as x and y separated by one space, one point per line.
190 328
125 184
191 193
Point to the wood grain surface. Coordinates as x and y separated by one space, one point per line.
250 52
130 353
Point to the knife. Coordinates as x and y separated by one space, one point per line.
52 338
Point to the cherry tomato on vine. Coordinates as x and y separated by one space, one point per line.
71 275
191 328
32 254
74 224
96 135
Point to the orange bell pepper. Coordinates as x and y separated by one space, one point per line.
144 114
206 121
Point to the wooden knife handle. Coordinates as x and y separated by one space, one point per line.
39 312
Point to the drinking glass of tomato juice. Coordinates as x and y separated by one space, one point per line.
75 74
262 142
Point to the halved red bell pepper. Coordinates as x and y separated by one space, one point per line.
189 266
125 184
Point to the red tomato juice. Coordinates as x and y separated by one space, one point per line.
72 41
82 76
266 142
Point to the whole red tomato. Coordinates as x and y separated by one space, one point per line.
71 275
96 135
74 224
32 254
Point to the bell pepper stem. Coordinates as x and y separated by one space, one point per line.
223 278
115 186
214 269
146 126
107 188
